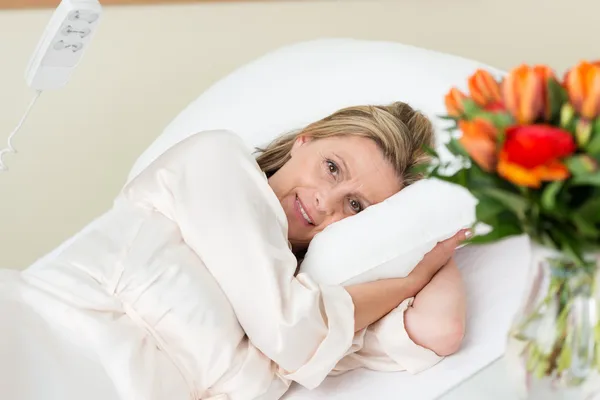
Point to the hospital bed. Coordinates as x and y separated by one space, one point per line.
37 363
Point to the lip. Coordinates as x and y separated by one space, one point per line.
299 213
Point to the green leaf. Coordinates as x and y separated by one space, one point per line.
549 195
462 178
500 232
593 146
557 96
421 169
587 179
471 108
568 240
501 120
456 148
586 227
434 173
569 244
567 117
583 132
590 210
478 178
580 165
431 151
514 202
487 210
448 118
458 178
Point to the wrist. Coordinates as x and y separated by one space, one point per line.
411 285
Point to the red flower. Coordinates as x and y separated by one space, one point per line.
532 153
534 145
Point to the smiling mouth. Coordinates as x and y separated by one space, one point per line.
303 212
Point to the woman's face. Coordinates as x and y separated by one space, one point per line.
329 179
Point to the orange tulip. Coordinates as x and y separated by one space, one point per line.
484 89
479 140
525 94
583 85
545 73
455 102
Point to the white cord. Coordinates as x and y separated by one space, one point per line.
10 148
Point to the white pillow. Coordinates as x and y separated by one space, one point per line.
298 84
389 239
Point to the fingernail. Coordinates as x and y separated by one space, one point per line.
468 233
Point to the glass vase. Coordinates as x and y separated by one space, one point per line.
553 349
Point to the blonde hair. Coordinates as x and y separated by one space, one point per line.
400 132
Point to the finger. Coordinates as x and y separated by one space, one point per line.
462 235
456 240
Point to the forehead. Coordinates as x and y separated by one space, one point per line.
373 175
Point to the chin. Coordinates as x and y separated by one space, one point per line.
298 235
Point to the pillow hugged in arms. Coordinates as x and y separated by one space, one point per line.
388 239
302 83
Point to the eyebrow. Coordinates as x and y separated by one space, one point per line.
343 162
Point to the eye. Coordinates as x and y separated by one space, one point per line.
356 206
332 167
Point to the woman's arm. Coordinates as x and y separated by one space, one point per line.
418 333
374 300
437 317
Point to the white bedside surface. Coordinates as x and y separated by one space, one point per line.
491 383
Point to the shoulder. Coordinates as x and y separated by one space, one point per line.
219 152
214 147
219 141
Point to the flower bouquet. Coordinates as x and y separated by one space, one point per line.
528 148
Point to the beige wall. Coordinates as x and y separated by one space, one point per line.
147 63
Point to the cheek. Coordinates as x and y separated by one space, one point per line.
339 216
331 220
308 172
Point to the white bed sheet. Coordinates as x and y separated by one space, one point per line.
495 277
36 364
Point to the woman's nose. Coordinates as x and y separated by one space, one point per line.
327 201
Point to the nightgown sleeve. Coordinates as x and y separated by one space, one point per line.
212 187
386 346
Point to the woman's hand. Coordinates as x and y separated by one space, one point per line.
436 259
373 300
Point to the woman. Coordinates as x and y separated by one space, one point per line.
187 288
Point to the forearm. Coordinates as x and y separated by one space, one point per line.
437 317
374 300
